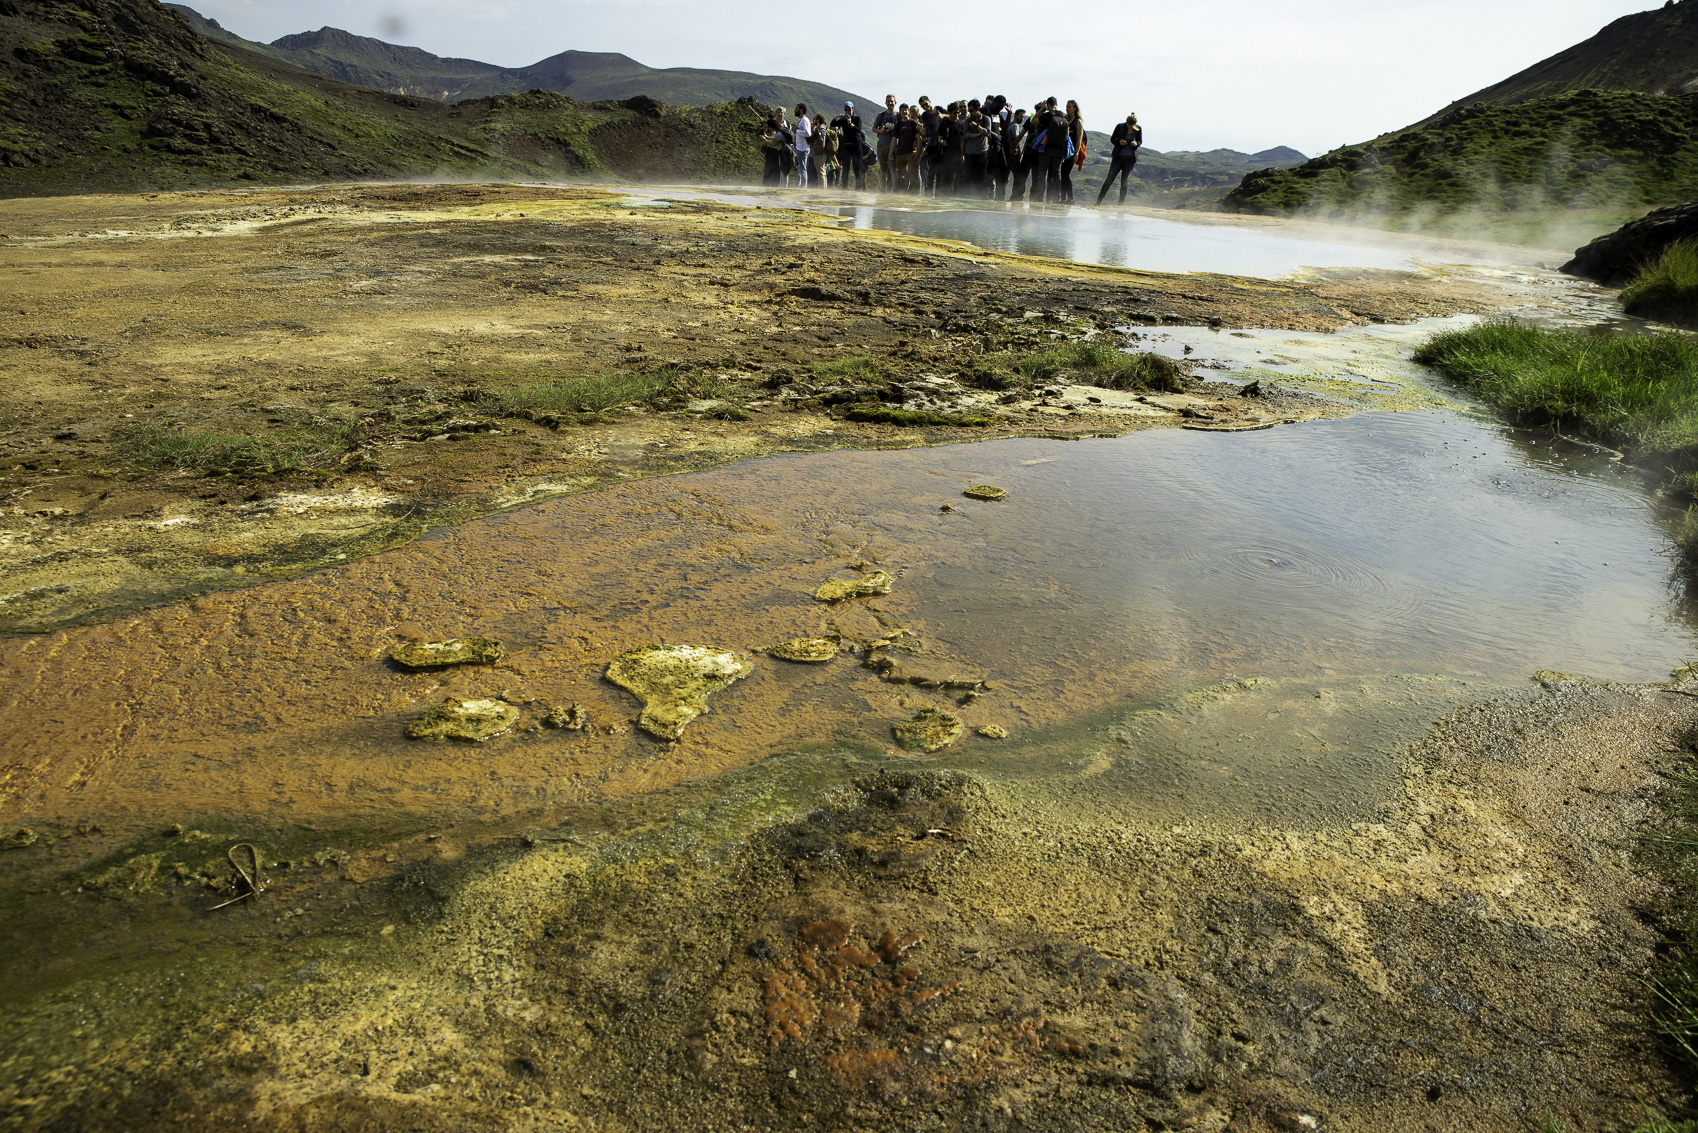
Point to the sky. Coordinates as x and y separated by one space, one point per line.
1201 74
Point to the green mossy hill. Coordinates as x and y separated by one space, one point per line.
1587 149
122 95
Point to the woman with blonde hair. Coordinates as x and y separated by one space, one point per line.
1076 134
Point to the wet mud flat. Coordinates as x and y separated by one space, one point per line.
1117 571
839 942
385 324
1232 863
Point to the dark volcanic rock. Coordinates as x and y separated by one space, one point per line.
1617 257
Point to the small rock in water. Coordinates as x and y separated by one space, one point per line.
674 682
455 719
573 718
808 650
985 492
456 651
993 731
837 589
19 838
931 729
947 507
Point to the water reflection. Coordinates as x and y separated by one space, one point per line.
1127 240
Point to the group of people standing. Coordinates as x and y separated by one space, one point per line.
965 149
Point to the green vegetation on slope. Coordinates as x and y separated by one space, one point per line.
1588 149
1633 390
122 95
1667 287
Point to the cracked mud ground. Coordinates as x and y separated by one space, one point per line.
392 319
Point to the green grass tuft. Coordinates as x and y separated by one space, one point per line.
859 370
592 394
1667 287
1635 389
1102 365
318 448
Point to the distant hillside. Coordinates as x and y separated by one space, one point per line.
1218 168
1653 52
588 76
1182 176
122 94
1584 149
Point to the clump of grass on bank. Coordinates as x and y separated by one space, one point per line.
885 415
1667 287
1102 365
1640 390
311 450
859 370
595 393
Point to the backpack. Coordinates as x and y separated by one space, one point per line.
1057 128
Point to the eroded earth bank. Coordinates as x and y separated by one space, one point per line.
1171 870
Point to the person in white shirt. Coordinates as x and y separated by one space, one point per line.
804 144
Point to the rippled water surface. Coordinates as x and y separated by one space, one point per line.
1119 573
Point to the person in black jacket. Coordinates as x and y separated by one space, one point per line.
777 145
849 148
1018 144
1052 132
1123 154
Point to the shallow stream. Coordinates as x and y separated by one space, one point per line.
1324 558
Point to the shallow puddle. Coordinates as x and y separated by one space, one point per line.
1118 574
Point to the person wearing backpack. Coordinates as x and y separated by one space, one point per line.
884 127
829 138
998 163
905 151
777 144
931 152
1076 151
1123 147
804 151
850 146
1019 147
1051 150
975 149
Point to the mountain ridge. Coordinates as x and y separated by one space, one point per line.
588 76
